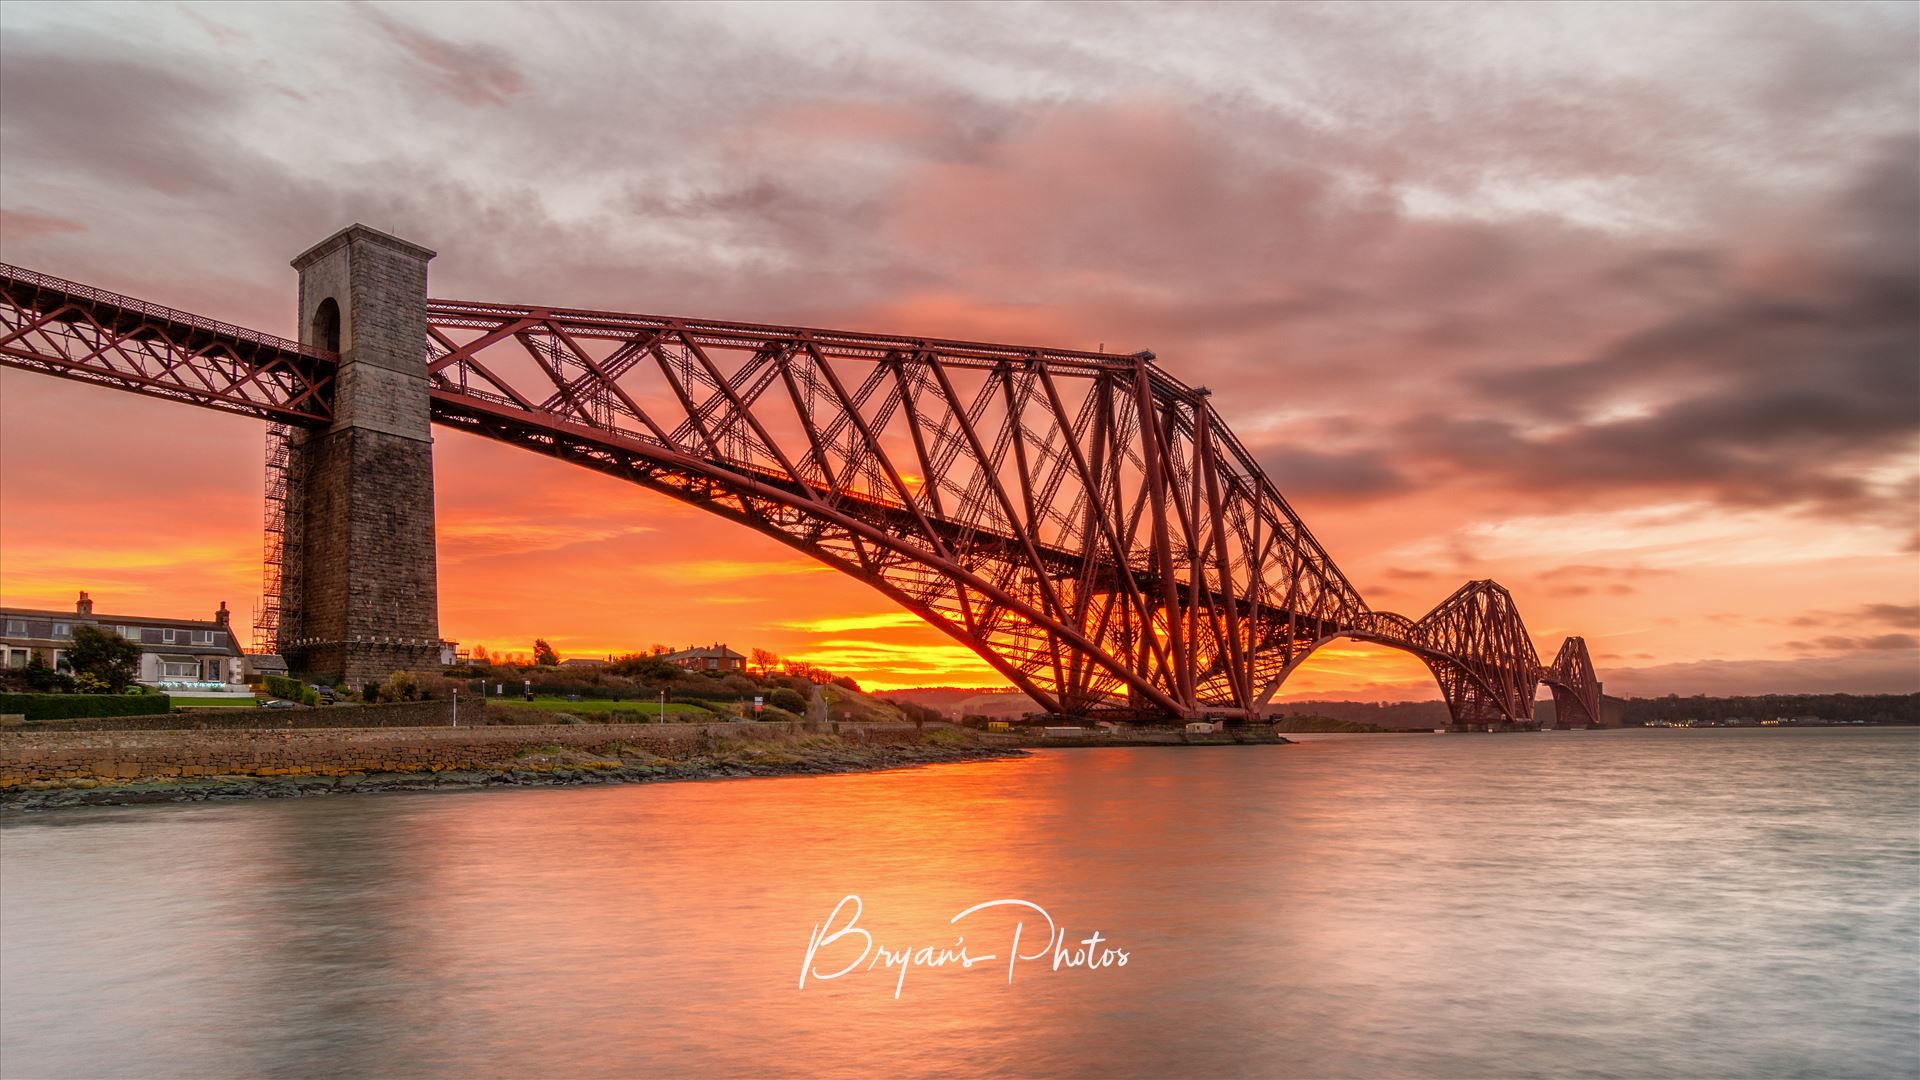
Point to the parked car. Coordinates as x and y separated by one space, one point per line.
276 703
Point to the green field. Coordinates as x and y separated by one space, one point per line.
628 710
211 702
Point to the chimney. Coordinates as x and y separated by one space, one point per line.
222 615
84 608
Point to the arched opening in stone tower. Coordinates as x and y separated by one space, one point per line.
326 325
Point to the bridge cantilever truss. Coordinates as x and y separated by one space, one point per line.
1084 521
76 331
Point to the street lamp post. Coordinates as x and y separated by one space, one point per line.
663 706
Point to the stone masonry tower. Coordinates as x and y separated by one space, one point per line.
359 595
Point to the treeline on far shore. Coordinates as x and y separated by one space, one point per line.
1636 712
1831 708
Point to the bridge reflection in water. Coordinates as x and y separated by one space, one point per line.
1084 521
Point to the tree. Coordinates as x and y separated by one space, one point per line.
543 654
637 666
110 658
764 660
480 654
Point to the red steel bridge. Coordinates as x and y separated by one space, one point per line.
1084 521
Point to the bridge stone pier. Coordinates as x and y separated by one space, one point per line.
359 582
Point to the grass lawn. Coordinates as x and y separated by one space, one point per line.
641 710
210 702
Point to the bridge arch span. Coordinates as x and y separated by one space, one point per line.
1432 661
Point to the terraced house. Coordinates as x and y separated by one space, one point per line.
175 654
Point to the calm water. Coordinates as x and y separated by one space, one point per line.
1669 903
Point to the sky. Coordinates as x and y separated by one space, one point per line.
1616 304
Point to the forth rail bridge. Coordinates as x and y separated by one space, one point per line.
1083 521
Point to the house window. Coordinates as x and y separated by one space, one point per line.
61 629
16 626
131 633
60 661
213 668
16 658
203 637
179 667
167 635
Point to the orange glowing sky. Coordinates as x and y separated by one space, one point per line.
1615 306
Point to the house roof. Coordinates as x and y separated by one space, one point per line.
714 652
96 618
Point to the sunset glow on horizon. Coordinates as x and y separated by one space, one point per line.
1650 359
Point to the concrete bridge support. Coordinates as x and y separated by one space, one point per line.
359 594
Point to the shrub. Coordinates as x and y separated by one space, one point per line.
67 706
636 666
41 676
400 686
916 712
789 700
286 689
280 686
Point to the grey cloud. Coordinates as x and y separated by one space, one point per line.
1857 673
1356 474
1580 570
130 120
469 74
1838 643
1897 614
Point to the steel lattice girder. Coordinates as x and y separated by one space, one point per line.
1490 670
1083 521
1576 689
75 331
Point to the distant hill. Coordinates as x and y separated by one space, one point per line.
1833 708
954 702
1380 714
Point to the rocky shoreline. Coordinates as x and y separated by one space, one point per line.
560 768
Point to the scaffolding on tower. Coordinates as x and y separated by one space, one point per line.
267 619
